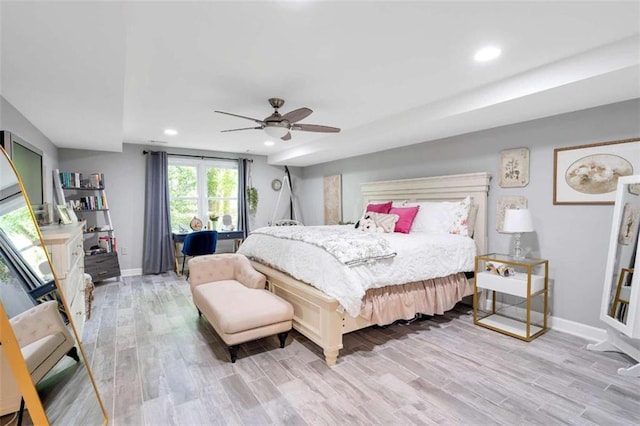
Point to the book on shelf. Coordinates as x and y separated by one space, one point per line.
73 180
107 243
92 202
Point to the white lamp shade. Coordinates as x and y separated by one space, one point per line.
517 221
276 131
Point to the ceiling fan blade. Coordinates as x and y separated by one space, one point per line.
244 128
241 116
315 128
286 137
297 114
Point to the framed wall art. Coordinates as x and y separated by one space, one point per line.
514 168
505 203
63 214
588 174
332 188
629 224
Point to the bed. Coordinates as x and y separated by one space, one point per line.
323 318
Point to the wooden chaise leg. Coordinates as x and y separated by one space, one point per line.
282 337
233 351
73 353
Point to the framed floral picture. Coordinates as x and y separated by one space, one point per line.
588 174
514 168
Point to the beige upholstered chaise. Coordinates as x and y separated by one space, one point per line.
44 340
232 297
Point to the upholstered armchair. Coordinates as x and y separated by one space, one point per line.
44 340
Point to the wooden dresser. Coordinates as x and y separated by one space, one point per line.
65 246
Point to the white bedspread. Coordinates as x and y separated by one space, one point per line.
419 257
350 248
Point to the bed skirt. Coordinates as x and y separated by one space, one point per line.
430 297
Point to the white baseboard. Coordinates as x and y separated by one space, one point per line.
588 332
130 272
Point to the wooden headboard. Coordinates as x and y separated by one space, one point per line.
437 188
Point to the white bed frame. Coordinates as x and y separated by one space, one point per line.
316 315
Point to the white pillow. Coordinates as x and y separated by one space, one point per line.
442 217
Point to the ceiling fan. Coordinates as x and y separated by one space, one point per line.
279 126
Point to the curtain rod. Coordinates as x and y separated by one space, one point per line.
200 156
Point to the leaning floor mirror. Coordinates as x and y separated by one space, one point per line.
620 309
44 374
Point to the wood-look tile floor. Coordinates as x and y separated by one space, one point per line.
157 363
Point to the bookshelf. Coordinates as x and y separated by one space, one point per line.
85 195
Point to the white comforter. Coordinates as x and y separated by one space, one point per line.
419 256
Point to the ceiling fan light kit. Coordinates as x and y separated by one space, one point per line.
276 131
280 126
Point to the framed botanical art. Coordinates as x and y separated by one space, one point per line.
588 174
629 224
514 168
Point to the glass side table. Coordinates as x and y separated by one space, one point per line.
515 305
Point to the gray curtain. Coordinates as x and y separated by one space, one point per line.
243 209
158 254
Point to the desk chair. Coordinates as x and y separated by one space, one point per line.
199 243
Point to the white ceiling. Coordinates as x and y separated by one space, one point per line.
93 75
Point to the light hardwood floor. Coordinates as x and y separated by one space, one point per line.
157 363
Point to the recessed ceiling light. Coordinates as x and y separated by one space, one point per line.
487 53
170 132
269 143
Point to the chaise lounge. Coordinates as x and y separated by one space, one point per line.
232 297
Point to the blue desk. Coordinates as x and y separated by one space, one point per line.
178 238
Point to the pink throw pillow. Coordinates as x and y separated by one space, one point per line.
379 208
407 214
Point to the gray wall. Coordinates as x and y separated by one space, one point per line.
12 120
124 176
574 238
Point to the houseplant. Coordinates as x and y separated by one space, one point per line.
213 220
252 199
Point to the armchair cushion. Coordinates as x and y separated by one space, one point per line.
38 322
37 352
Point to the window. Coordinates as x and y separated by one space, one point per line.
203 188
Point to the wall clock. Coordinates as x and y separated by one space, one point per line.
276 184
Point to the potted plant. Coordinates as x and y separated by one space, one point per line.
213 220
252 199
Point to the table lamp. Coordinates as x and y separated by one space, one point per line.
517 221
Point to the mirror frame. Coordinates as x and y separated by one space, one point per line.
632 327
9 341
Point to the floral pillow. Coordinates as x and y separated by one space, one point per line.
460 218
443 217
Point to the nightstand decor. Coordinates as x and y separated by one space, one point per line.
517 221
